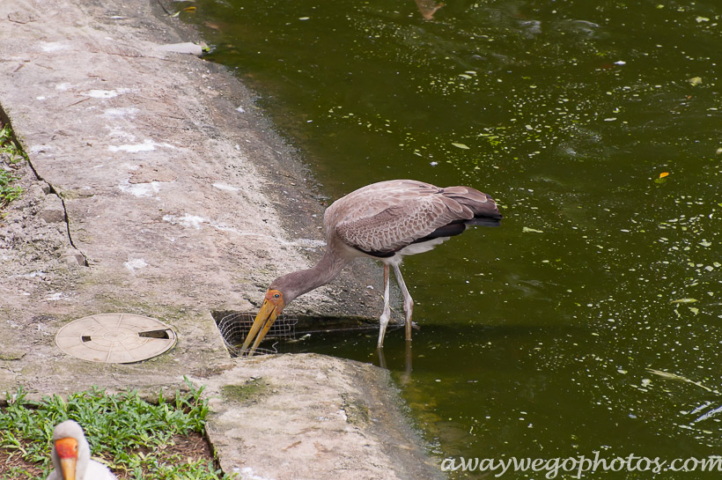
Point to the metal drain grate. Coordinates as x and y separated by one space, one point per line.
235 327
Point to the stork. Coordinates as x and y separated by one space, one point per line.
384 221
71 455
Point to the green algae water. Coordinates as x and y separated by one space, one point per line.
590 322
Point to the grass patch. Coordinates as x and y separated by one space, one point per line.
136 439
11 157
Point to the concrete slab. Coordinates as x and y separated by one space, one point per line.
312 417
150 192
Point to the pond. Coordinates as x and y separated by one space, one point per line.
591 320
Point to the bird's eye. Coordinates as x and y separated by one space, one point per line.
277 295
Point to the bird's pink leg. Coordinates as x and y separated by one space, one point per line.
384 320
408 301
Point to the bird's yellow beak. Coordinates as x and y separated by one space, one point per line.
67 449
271 308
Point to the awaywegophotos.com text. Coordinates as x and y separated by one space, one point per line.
579 465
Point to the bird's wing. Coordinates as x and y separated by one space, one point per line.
391 220
480 203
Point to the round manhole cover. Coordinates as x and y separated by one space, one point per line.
115 338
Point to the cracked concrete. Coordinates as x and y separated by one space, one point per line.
151 192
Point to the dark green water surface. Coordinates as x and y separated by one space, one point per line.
547 337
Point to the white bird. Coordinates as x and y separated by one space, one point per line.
384 221
71 456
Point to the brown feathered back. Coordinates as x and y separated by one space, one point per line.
388 216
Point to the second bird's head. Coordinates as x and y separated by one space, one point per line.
67 450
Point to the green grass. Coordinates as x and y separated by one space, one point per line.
10 158
133 437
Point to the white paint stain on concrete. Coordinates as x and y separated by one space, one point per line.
186 220
38 149
140 189
134 264
146 146
120 112
53 46
228 188
105 94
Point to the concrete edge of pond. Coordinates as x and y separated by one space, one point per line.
310 416
149 191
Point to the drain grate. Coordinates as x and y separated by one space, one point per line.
234 328
115 338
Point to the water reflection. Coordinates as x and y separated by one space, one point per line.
405 376
428 8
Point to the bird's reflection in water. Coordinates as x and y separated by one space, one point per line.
408 362
428 8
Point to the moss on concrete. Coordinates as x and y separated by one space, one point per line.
248 393
357 412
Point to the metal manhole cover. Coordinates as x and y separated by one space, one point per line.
115 338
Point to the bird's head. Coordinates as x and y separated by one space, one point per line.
67 449
273 304
282 291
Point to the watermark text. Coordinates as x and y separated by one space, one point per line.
579 465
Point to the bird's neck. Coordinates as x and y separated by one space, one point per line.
302 281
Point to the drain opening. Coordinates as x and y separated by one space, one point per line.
284 333
234 328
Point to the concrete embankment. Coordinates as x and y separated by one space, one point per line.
149 191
